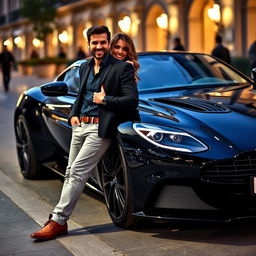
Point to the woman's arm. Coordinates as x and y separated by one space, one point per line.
128 96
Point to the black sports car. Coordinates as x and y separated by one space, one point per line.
191 156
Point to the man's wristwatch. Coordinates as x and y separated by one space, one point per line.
104 100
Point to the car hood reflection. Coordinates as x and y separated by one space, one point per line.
222 109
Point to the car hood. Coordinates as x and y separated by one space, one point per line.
224 113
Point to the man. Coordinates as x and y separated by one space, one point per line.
177 45
107 91
6 59
252 54
220 51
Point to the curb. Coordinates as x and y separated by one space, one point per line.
79 241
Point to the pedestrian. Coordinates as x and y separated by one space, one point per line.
252 54
122 48
6 60
101 104
80 54
34 54
178 45
61 54
221 51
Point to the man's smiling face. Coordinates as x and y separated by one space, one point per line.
99 45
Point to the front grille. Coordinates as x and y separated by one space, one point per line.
237 170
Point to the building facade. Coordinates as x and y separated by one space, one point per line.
152 24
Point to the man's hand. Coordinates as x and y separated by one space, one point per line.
75 121
98 96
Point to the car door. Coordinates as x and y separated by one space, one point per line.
57 109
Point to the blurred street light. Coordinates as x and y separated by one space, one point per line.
7 42
36 42
125 24
162 21
64 37
17 40
214 13
85 33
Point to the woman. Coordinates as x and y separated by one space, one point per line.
122 48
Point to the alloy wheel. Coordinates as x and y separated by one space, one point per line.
22 144
114 183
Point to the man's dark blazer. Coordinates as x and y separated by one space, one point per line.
121 91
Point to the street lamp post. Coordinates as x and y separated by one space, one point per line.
214 14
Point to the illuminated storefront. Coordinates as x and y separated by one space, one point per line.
152 24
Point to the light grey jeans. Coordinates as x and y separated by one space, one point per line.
86 150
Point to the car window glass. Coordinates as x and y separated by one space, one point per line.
177 70
71 78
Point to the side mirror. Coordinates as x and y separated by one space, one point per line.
253 75
54 89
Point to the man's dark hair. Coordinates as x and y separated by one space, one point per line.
218 39
97 30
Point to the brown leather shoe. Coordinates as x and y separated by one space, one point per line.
50 230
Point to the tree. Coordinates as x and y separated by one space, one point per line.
41 14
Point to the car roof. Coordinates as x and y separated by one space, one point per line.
80 62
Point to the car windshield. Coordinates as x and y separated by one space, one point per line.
184 69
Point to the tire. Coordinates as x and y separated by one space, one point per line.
29 166
116 188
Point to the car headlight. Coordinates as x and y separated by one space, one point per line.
169 138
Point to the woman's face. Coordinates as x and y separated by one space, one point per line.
120 50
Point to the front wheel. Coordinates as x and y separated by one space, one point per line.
116 188
30 167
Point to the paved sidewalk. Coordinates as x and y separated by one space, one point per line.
25 213
15 226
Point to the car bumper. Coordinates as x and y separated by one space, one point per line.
176 188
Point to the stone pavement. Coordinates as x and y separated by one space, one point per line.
15 225
79 240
